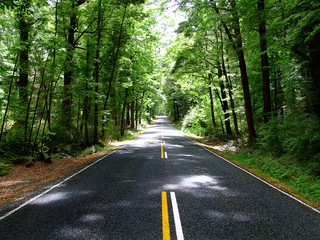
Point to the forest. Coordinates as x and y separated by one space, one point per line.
77 73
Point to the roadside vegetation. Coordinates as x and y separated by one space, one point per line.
74 75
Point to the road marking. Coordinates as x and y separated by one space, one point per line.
165 217
55 186
165 155
176 216
162 149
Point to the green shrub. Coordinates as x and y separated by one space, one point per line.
4 168
297 135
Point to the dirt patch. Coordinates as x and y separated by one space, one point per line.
21 179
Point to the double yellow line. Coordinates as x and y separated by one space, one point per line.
176 217
162 156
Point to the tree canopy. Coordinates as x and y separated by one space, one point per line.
76 73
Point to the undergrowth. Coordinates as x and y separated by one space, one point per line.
61 149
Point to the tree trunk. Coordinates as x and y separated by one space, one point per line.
222 127
9 97
212 108
243 72
132 115
315 73
86 98
115 59
136 119
35 110
237 45
264 62
141 108
68 74
229 86
225 108
123 113
128 115
96 77
24 29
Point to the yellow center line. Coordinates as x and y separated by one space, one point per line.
165 217
162 149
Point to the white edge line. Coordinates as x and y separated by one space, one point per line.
176 216
55 186
165 155
253 175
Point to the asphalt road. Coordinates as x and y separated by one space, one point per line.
142 190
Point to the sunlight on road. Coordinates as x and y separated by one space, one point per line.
196 181
50 198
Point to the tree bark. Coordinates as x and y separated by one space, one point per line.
315 73
86 98
24 29
114 66
68 74
122 127
212 107
229 86
96 77
244 76
9 97
237 45
141 108
264 62
69 68
225 108
132 115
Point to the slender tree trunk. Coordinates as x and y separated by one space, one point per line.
86 98
229 86
315 73
96 77
123 113
212 107
244 76
141 108
237 45
136 115
132 115
28 111
69 68
128 115
222 125
115 60
24 29
264 62
9 97
68 74
35 111
225 108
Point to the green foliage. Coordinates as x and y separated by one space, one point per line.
4 164
195 121
296 135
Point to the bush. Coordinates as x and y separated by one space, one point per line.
195 121
297 135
